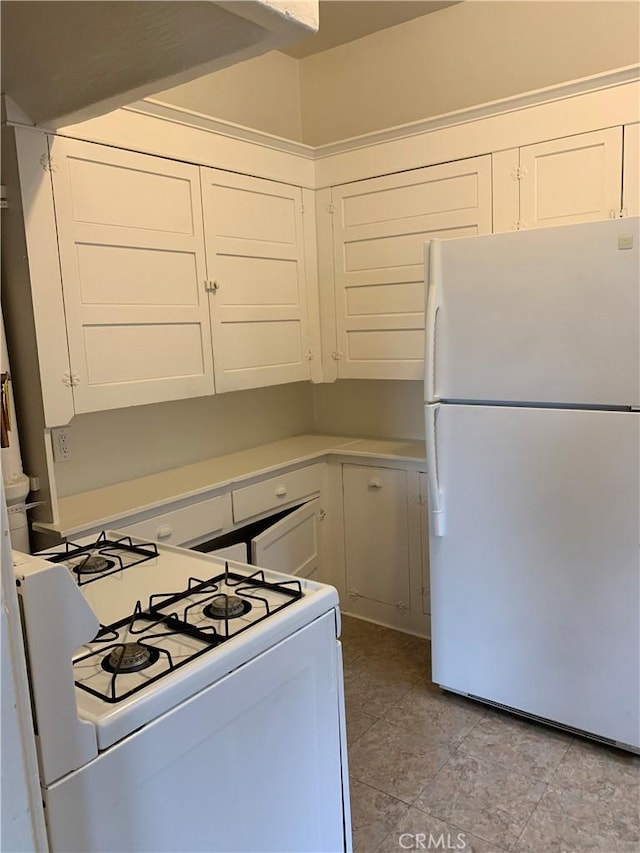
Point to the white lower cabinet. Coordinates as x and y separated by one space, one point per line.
383 547
275 523
291 545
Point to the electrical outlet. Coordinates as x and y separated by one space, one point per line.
61 438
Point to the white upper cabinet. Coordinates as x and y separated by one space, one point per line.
133 271
379 230
559 182
631 171
255 261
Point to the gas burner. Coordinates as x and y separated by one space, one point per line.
227 607
92 564
101 557
129 657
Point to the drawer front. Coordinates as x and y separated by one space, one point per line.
276 492
186 524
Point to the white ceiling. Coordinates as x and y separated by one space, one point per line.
342 21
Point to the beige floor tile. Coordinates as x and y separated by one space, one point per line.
482 798
403 733
357 724
374 691
601 775
410 660
395 761
417 830
564 822
427 709
373 814
520 745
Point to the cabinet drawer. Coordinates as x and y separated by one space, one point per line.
186 524
276 492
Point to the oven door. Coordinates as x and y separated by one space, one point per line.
251 763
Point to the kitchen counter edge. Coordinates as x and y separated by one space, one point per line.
116 504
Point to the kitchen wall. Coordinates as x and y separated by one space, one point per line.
370 407
121 444
262 93
467 54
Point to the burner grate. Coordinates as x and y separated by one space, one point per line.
178 618
117 554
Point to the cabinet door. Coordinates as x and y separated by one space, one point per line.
291 544
631 171
255 260
376 530
132 260
379 230
575 179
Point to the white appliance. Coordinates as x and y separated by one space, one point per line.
183 702
533 436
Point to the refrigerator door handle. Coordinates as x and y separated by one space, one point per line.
433 270
436 503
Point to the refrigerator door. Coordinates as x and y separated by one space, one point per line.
535 583
544 316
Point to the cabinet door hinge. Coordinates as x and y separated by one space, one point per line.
308 355
302 208
354 594
211 286
518 173
401 607
331 208
48 163
322 515
519 225
618 214
3 197
70 379
336 355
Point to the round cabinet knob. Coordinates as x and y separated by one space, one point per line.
375 483
281 491
164 532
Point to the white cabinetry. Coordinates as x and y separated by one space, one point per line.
631 171
132 262
291 545
559 182
255 260
145 314
383 548
379 230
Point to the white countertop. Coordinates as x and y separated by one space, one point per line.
110 504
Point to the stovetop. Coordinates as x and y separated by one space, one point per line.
160 638
175 628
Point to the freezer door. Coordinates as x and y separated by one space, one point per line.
535 586
544 316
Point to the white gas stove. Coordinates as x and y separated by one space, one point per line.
167 679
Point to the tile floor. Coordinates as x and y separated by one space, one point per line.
432 771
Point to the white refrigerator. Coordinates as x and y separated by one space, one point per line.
532 389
